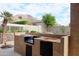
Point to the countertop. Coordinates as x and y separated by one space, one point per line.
42 38
49 39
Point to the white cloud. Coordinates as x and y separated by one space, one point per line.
60 11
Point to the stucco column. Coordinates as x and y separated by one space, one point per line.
74 39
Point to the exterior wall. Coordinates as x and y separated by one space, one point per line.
1 38
74 39
10 37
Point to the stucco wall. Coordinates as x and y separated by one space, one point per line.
10 37
74 39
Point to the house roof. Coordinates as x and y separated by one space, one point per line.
25 16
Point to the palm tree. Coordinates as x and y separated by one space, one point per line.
7 18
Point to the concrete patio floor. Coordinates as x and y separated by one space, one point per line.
8 51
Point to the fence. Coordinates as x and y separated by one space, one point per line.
23 28
59 30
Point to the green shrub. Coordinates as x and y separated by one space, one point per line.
1 30
18 31
21 22
27 31
33 31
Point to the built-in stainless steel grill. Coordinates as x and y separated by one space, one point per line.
29 39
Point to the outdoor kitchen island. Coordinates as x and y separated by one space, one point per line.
44 45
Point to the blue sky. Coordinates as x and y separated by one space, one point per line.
60 10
